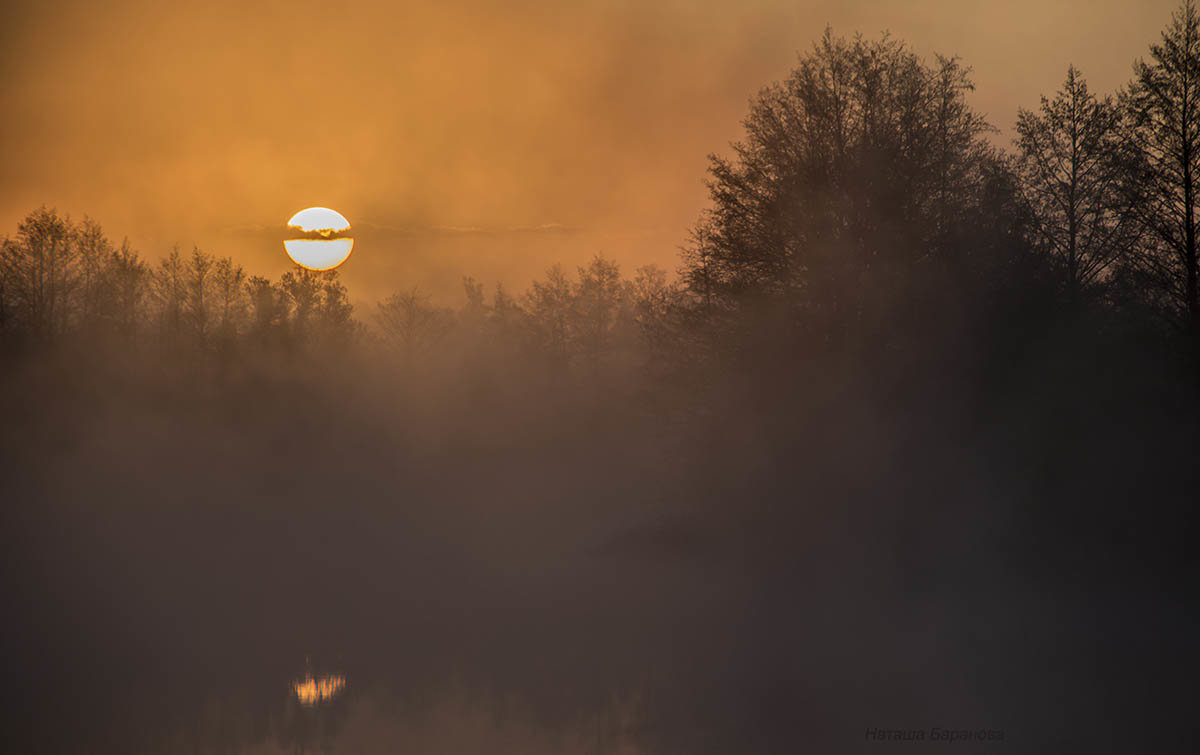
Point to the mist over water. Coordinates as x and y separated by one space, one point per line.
902 456
542 563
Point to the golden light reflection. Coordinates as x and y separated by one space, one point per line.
319 254
311 691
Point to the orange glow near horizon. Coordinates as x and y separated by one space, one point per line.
467 137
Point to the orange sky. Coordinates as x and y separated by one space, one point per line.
489 137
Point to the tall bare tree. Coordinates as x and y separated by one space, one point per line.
599 296
95 256
548 304
199 302
168 287
126 280
655 301
1163 101
1073 176
40 269
229 289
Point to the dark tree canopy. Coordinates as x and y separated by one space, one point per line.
863 164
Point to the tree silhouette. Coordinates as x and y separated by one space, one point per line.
95 253
411 324
862 164
230 296
1075 179
126 286
198 300
269 311
168 288
599 298
548 304
319 307
40 270
1163 101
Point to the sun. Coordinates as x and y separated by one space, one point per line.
319 241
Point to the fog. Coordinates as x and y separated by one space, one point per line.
512 558
866 441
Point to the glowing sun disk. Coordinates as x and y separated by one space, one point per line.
319 254
323 247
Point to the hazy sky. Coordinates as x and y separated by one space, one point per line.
490 137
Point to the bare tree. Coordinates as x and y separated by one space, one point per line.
40 270
95 253
1163 102
268 310
319 306
127 283
476 309
862 164
199 300
597 300
229 288
1073 176
656 302
411 324
336 313
505 312
549 306
168 286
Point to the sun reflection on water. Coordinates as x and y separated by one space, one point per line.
311 691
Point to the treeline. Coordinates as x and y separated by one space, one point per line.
61 280
866 205
593 317
867 192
